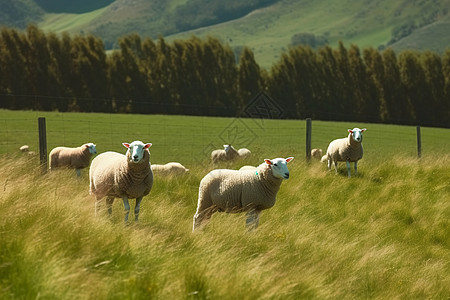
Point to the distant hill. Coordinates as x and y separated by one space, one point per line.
268 27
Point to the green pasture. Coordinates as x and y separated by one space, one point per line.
189 139
384 234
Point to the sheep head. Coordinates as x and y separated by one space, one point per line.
279 167
356 134
92 148
136 150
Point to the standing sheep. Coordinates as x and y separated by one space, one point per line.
169 169
233 191
76 158
228 153
122 176
347 149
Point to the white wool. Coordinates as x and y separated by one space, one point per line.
244 153
347 149
115 175
231 191
247 168
24 148
169 169
226 154
75 158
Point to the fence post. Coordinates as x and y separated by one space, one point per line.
42 145
308 139
419 142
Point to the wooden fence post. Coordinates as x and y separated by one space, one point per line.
308 139
419 142
42 145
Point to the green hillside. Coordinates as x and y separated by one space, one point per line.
266 26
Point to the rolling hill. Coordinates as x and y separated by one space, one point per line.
266 26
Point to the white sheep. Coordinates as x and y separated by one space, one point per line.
76 158
247 168
233 191
169 169
115 175
347 149
228 153
244 153
24 148
316 153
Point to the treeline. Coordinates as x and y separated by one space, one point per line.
43 71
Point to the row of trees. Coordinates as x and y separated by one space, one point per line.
44 71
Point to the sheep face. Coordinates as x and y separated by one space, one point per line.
92 148
279 167
136 150
226 148
357 134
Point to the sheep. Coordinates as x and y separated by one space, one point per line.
347 149
115 175
169 169
316 153
228 153
26 149
247 168
244 153
234 191
76 158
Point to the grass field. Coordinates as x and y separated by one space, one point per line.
384 234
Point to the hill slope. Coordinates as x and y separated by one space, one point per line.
267 26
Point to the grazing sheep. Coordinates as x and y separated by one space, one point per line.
169 169
347 149
228 153
316 153
244 153
233 191
24 148
122 176
76 158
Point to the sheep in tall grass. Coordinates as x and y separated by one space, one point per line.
244 153
234 191
76 158
347 149
169 169
228 153
115 175
316 153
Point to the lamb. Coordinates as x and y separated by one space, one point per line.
234 191
115 175
77 158
244 153
316 153
227 154
169 169
347 149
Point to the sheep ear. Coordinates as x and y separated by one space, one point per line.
351 131
268 161
148 145
364 129
126 145
289 159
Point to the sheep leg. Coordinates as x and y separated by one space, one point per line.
335 166
349 169
201 217
252 221
137 208
126 205
109 203
356 167
78 172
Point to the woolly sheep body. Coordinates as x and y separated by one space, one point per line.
226 154
75 158
233 191
244 153
247 168
169 169
115 175
346 149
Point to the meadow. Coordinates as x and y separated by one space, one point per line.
384 234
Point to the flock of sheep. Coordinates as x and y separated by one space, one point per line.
250 189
